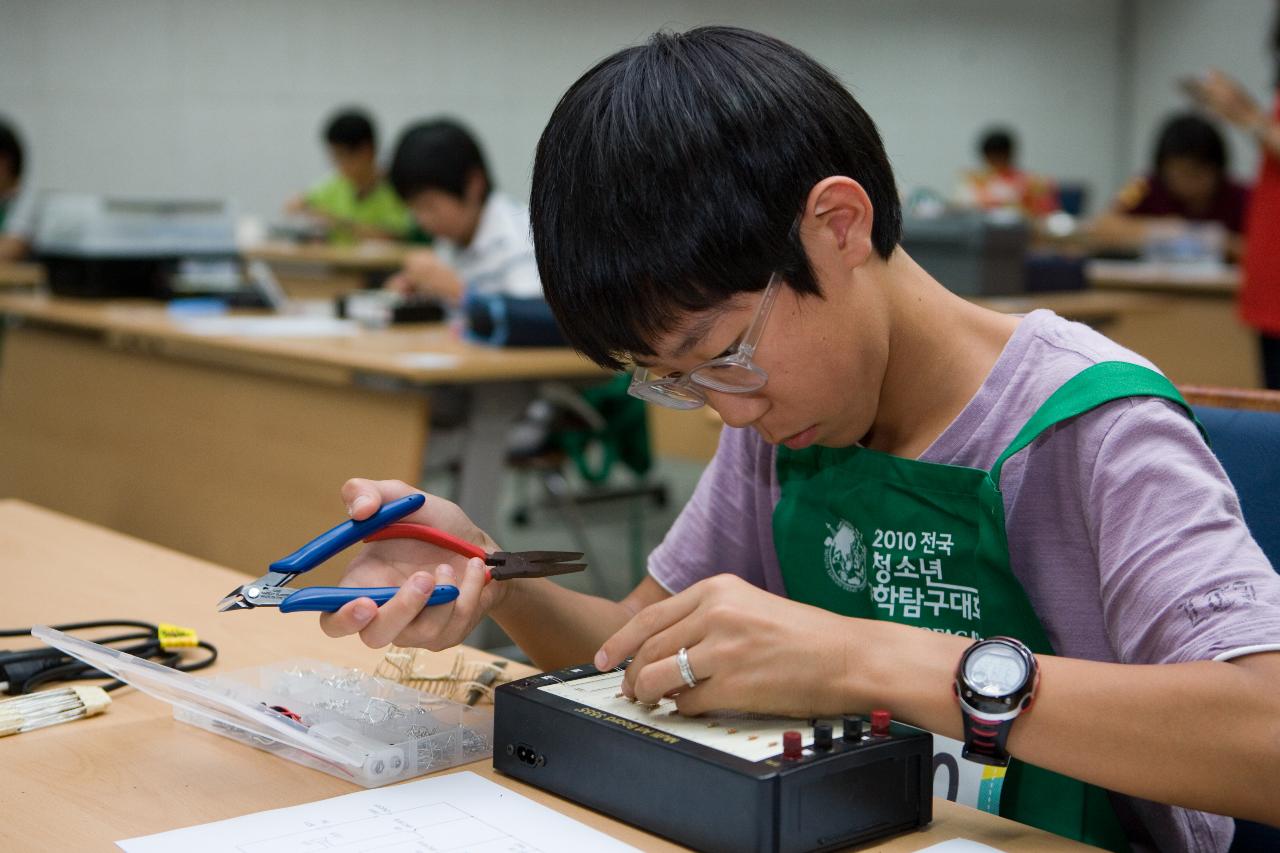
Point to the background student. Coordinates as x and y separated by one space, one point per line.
357 202
482 235
1189 182
999 184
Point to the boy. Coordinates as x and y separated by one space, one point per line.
715 209
17 206
356 203
484 244
1000 184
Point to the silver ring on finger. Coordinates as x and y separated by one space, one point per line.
686 671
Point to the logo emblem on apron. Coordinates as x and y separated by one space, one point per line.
846 557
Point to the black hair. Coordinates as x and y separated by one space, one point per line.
671 175
439 154
11 147
351 129
998 142
1190 136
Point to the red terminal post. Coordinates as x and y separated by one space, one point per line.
880 722
791 745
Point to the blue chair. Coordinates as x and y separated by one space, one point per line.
1073 197
1244 427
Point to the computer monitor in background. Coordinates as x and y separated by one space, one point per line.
101 246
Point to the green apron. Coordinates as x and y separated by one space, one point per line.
866 534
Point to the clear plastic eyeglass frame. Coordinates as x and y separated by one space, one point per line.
734 373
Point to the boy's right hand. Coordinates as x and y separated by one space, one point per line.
416 567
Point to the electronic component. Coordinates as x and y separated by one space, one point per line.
50 707
724 781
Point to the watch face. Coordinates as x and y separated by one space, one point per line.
995 670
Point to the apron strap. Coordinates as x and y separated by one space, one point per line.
1095 385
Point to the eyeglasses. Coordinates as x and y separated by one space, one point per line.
734 373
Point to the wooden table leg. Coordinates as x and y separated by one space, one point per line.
494 407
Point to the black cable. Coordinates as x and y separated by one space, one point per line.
27 669
85 626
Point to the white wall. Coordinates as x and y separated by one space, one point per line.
226 97
1181 38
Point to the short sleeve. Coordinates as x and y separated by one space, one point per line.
315 194
1180 576
520 278
513 251
718 530
500 259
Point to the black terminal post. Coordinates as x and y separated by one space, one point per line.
822 736
852 728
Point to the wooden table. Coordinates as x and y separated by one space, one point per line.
1195 335
20 275
135 770
309 270
233 448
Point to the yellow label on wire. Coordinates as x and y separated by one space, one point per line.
176 637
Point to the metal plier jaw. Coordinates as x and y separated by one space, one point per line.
266 591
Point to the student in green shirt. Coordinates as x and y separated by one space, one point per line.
357 202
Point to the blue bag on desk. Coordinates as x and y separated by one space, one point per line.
505 321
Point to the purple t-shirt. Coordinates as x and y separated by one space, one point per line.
1122 527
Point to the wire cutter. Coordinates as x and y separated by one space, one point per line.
270 590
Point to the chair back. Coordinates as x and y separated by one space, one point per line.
1073 197
1244 427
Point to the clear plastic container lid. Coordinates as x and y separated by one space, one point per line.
194 694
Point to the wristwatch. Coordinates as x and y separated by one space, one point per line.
995 682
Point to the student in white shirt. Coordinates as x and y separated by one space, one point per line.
483 244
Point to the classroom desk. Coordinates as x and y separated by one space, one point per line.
1163 278
321 270
1195 337
114 412
134 770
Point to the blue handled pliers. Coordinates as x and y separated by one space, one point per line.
270 590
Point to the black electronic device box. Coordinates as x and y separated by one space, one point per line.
726 781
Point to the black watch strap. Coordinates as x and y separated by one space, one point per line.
984 740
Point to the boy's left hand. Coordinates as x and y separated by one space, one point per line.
750 650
